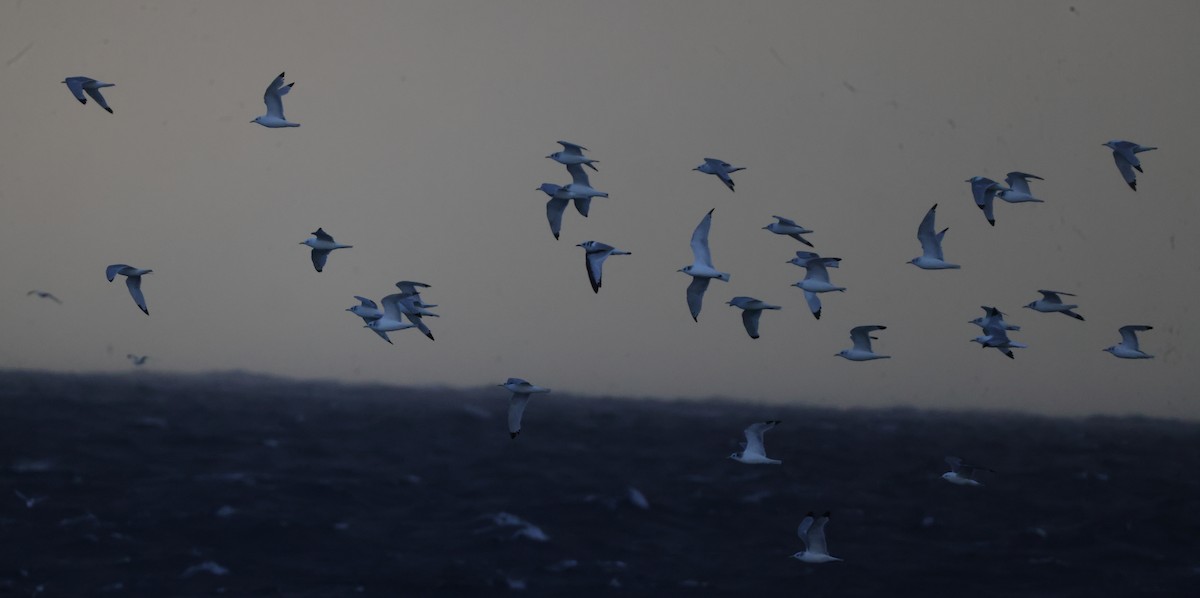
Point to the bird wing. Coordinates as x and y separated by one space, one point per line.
583 205
112 271
409 287
816 270
75 84
578 175
785 221
319 256
700 249
754 438
419 323
366 302
1053 296
554 213
695 295
955 463
724 176
572 149
1129 335
273 97
802 531
816 536
595 267
814 303
1125 166
861 335
322 235
750 321
135 289
391 305
1019 181
95 93
516 408
930 245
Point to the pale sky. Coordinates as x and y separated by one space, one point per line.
424 131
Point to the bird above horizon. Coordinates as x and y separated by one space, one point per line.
133 280
702 269
137 360
369 311
720 169
1128 347
273 98
1051 302
521 390
992 317
861 351
593 258
931 257
1018 188
995 336
812 533
322 243
754 452
80 85
1125 155
984 191
751 311
788 227
413 307
392 319
816 278
44 295
573 154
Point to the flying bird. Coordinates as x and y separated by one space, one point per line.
413 307
596 253
521 390
557 205
861 336
1125 155
1128 347
812 533
816 279
273 98
931 257
1051 302
392 319
784 226
137 359
81 85
751 311
44 295
369 311
992 317
580 189
962 474
573 154
1018 188
702 269
753 450
133 280
996 336
984 191
720 169
322 244
30 501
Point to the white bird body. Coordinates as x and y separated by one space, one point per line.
962 474
754 451
595 255
804 259
751 312
273 98
1125 155
580 187
931 257
559 198
861 336
521 390
1128 347
133 281
81 85
720 169
995 336
787 227
702 269
392 319
984 191
1018 188
572 154
1051 302
369 312
812 533
322 243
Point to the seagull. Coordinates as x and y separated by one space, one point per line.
580 189
79 85
702 269
392 319
931 245
1018 188
861 335
784 226
812 533
572 154
984 191
1128 348
962 474
30 501
521 390
559 198
137 359
816 279
1051 303
133 280
720 168
996 337
273 97
44 295
751 310
322 244
369 312
413 307
597 252
1124 154
753 451
993 317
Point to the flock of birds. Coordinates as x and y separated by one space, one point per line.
406 309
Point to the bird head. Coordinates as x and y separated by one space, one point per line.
1030 306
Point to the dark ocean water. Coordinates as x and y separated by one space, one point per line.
245 486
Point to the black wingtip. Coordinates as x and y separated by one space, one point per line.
754 336
430 336
809 514
1010 355
992 222
145 311
320 270
109 110
83 101
555 236
1133 185
513 435
827 514
281 74
817 314
934 207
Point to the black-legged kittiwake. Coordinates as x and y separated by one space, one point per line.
133 280
702 269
